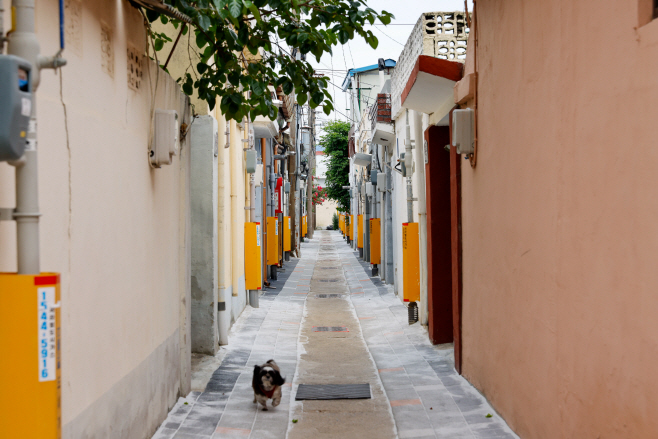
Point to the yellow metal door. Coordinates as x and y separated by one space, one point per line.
375 253
286 234
272 240
30 345
252 268
410 267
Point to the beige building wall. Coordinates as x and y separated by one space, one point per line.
116 229
559 218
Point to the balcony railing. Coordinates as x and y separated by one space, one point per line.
381 111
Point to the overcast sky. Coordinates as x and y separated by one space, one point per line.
392 38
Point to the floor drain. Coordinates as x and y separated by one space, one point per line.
329 296
333 391
329 268
330 329
328 280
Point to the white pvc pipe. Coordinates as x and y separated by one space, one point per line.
23 43
422 211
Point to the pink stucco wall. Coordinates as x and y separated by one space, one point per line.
560 219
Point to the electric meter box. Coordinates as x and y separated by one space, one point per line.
165 137
462 130
286 187
15 106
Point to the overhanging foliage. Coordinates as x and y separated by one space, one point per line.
240 51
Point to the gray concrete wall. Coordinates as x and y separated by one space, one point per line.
204 186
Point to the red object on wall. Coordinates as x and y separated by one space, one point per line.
439 248
279 192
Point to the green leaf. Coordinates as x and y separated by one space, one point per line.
301 98
374 42
253 8
235 8
187 88
489 415
201 67
385 19
317 98
220 4
257 88
204 22
158 45
287 87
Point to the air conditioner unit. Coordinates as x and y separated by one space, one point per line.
361 159
463 132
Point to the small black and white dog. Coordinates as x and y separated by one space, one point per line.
267 384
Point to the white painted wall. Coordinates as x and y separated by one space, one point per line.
116 229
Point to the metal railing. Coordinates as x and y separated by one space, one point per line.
381 111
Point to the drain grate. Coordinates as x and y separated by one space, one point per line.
328 280
330 329
329 268
329 296
332 391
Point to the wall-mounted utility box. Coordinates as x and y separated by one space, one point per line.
381 182
359 241
286 187
165 137
252 267
272 240
369 191
286 233
373 176
375 244
15 107
403 166
463 132
250 160
410 264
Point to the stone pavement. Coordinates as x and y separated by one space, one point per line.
423 394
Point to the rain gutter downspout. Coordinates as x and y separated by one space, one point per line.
23 43
422 213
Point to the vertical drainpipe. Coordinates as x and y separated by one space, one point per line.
223 317
23 43
422 212
408 163
263 149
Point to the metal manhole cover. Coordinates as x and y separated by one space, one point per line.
328 280
333 391
329 296
330 329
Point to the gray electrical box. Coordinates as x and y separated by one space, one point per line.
463 133
250 159
381 177
286 187
373 176
15 106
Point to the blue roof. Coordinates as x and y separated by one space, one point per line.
388 63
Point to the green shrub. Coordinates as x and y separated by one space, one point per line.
334 221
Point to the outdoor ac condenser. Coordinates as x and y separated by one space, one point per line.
361 159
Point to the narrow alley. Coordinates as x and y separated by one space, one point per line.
415 390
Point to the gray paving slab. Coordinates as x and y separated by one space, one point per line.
427 398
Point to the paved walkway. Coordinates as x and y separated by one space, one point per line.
416 391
